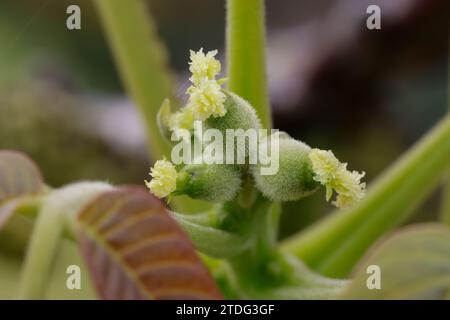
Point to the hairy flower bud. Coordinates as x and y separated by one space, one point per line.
239 115
295 177
210 182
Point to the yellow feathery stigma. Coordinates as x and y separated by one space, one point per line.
182 119
164 179
203 66
206 100
333 174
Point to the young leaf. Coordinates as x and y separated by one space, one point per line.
19 177
211 241
135 250
413 264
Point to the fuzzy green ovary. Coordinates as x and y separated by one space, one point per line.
295 177
209 182
239 115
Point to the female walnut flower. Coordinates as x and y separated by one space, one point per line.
333 174
164 179
206 98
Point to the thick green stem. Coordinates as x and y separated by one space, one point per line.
265 229
141 60
334 245
246 45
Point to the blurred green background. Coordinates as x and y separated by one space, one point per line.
366 94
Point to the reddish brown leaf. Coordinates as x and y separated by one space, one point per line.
135 250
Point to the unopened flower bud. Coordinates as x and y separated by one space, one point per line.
210 182
295 177
239 115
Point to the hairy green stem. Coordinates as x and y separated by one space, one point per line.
141 60
334 245
251 266
265 226
246 45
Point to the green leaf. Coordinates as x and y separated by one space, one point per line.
135 250
19 178
414 264
212 241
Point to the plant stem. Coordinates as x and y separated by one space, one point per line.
445 211
246 45
141 60
334 245
265 227
41 250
